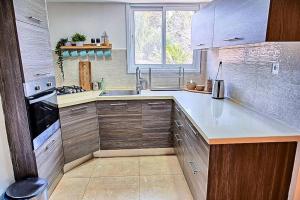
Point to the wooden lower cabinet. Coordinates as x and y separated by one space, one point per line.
50 160
80 131
232 171
135 124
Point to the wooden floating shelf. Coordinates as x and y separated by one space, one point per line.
86 47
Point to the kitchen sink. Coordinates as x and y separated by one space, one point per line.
119 93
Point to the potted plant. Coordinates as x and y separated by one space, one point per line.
78 39
58 52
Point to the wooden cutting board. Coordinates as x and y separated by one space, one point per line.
85 75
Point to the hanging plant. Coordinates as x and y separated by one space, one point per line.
58 52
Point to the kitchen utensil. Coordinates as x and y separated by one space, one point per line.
208 85
218 87
191 85
95 86
85 74
200 87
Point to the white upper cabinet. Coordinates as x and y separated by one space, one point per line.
237 22
240 22
203 27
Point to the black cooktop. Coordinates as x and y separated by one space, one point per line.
69 89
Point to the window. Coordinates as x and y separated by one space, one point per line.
160 36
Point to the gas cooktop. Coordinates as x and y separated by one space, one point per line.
69 90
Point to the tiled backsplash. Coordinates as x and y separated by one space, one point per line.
113 71
249 79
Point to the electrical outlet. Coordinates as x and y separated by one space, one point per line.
275 68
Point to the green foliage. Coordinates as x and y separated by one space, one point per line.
176 54
77 37
58 52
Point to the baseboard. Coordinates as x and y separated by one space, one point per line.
71 165
134 152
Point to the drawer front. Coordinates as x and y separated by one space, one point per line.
76 113
50 159
37 60
118 107
31 74
32 12
80 146
157 107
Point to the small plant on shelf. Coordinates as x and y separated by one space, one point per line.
78 39
58 52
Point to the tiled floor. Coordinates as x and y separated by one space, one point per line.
125 178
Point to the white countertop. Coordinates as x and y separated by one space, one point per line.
218 121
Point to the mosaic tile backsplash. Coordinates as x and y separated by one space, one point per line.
247 71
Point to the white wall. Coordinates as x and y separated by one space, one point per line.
6 171
91 19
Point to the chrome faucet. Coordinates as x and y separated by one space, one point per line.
141 83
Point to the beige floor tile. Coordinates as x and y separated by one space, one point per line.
83 171
70 188
164 187
127 166
113 188
155 165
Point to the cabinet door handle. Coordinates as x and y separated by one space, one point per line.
177 138
177 124
195 133
193 167
157 103
35 19
42 74
200 45
79 109
119 104
50 146
233 39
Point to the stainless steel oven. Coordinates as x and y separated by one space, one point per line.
42 109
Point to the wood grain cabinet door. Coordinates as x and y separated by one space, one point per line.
120 124
50 159
156 119
31 12
240 22
203 27
80 131
35 50
196 161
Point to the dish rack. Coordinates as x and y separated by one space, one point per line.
168 78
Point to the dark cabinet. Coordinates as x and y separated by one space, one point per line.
203 27
120 124
80 131
135 124
156 121
50 160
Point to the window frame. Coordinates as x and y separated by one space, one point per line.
130 8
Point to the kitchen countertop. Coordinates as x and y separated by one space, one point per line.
218 121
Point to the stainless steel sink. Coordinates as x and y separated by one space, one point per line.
119 93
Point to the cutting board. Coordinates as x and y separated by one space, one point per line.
85 75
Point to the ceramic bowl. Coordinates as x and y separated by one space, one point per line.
200 87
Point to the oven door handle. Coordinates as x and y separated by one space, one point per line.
43 97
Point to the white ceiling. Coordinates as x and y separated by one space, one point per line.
132 1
